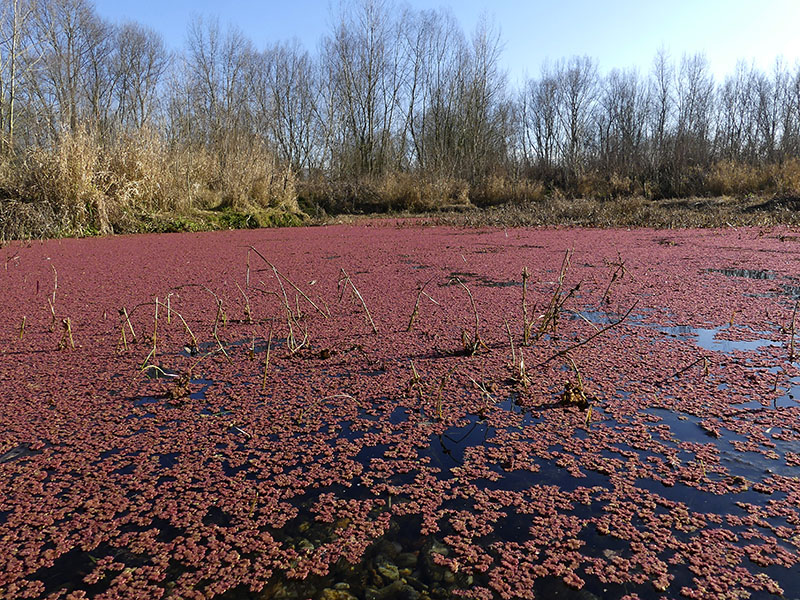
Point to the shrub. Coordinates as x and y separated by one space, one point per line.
500 190
67 177
730 178
393 192
786 177
79 186
247 176
607 186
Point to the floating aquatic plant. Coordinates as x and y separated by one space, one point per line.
364 461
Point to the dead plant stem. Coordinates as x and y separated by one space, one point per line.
266 361
511 342
527 323
589 339
791 332
344 280
472 346
248 315
702 359
415 312
124 312
280 275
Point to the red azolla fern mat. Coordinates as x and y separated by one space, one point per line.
398 412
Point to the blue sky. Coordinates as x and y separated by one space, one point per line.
618 33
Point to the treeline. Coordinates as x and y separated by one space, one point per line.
104 127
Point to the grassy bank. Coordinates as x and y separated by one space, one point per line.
720 211
84 186
138 184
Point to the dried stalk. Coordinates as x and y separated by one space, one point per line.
777 380
574 368
344 279
55 284
248 315
416 383
153 350
220 314
194 345
702 359
619 273
285 296
289 281
66 335
522 375
169 309
155 329
124 312
791 332
527 324
485 392
52 314
266 361
123 340
557 301
511 341
475 343
292 343
588 322
292 320
22 327
415 312
483 389
590 338
247 275
442 383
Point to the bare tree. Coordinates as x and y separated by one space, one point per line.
622 121
458 113
15 57
216 87
422 31
770 96
695 100
577 87
790 140
485 109
364 63
71 80
434 119
541 113
283 94
735 135
662 101
139 63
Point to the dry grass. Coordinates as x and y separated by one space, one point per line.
139 183
80 186
68 177
728 178
740 179
501 190
724 211
608 186
395 192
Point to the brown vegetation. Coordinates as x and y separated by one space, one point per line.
103 130
80 187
